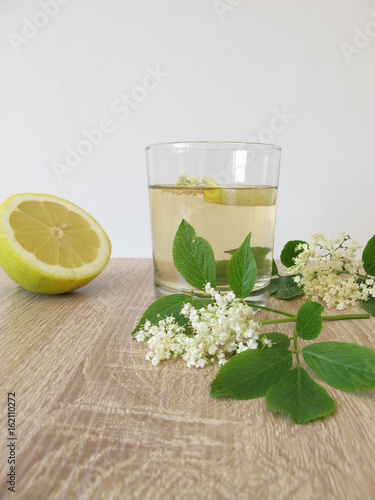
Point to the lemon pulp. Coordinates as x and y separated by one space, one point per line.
54 234
50 245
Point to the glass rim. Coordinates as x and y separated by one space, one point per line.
214 145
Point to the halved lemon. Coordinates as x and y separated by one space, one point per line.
49 245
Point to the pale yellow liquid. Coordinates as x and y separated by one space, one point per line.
223 216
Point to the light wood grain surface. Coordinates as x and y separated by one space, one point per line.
95 420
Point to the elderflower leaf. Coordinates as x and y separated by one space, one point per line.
263 260
297 395
347 367
275 271
279 340
193 257
289 252
285 288
170 305
242 270
221 271
251 373
262 256
368 257
309 320
369 305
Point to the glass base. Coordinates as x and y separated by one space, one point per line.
259 296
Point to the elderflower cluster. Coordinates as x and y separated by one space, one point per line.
329 270
215 332
186 180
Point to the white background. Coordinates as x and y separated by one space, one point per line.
225 67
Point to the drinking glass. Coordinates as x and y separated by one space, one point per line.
224 190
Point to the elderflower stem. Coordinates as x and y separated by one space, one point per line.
295 343
338 317
264 308
335 317
279 320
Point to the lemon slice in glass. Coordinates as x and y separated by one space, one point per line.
241 197
49 245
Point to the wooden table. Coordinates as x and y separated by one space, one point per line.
95 420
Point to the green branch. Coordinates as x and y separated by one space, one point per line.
336 317
264 308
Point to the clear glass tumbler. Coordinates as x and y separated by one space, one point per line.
224 190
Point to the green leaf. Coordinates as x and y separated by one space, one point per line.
289 252
309 320
297 395
231 252
272 288
275 271
285 288
251 373
264 264
368 257
369 305
242 270
221 271
262 256
193 257
347 367
279 340
168 306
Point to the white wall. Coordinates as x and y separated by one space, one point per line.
223 68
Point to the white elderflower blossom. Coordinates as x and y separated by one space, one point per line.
186 180
329 270
215 332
